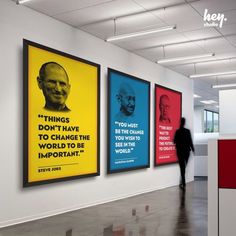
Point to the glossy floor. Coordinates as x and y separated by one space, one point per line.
168 212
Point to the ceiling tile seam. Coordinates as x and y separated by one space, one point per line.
199 46
82 8
224 37
234 9
136 13
150 12
43 13
183 42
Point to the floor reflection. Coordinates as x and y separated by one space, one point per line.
69 232
182 226
165 212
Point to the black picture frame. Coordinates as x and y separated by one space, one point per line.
121 162
168 125
33 55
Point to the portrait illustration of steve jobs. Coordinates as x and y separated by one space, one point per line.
53 80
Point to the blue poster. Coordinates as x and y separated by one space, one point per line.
128 122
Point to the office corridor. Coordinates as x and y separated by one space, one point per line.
168 212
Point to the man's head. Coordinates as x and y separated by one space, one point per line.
126 98
182 122
164 106
54 82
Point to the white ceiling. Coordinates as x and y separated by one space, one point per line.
189 38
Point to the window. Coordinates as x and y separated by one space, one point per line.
211 121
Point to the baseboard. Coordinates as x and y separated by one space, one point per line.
77 207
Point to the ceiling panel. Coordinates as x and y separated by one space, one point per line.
54 7
186 70
109 10
231 17
214 6
216 66
158 41
150 4
215 45
188 25
151 54
124 25
134 23
201 33
172 15
228 29
232 39
207 67
182 50
101 30
223 80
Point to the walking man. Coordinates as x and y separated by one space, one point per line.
184 145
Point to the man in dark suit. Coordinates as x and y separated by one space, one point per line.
184 145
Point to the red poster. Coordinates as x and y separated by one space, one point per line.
227 163
167 119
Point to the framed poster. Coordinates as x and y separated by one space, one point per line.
168 111
61 116
128 122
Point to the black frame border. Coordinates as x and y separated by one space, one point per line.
109 171
26 183
155 107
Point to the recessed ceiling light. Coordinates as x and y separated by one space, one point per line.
208 102
212 74
196 96
223 85
140 33
167 60
22 1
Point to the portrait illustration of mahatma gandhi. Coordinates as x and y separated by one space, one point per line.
54 82
126 100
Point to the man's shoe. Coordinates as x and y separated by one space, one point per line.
182 186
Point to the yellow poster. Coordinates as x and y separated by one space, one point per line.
61 116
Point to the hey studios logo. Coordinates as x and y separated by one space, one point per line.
213 20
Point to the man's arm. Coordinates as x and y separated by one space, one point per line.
191 141
175 137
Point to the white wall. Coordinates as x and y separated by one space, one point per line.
18 204
201 139
198 119
212 188
227 115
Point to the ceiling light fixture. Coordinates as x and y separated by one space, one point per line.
140 33
196 96
208 102
212 74
22 1
223 85
167 60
